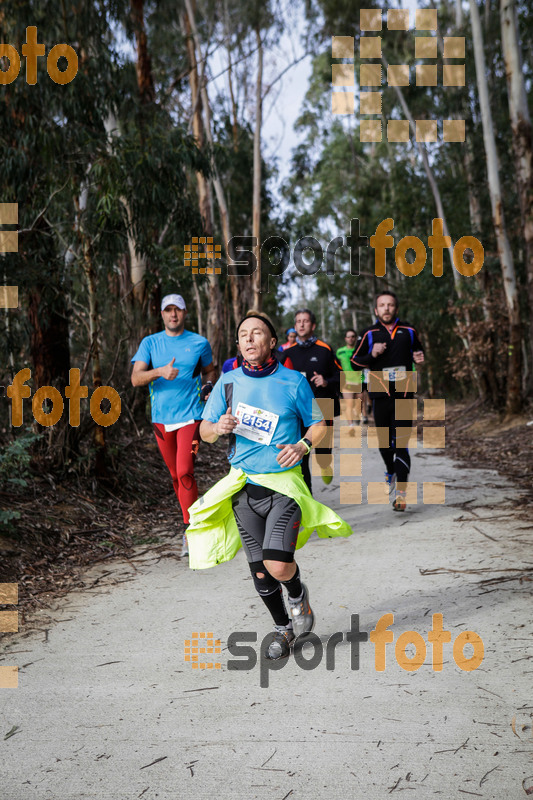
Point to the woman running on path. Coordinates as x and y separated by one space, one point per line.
264 499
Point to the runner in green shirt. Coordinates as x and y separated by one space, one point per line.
351 382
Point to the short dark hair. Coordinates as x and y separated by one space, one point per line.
350 330
390 294
306 311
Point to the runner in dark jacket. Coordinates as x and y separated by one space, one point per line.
316 360
387 351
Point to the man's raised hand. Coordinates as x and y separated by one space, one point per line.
318 380
169 372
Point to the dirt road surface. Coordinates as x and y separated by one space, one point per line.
107 707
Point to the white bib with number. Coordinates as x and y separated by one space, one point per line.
394 373
255 423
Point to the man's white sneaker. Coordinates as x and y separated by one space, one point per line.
184 546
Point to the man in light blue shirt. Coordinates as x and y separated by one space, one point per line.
171 364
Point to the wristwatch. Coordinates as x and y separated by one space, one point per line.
206 390
308 443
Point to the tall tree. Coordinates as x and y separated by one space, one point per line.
196 79
145 86
217 183
522 144
514 398
256 202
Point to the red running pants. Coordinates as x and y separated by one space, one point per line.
179 449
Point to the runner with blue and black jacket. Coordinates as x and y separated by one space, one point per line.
387 351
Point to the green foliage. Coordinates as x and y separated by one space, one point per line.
6 517
15 459
95 168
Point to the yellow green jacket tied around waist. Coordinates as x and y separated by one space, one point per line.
213 535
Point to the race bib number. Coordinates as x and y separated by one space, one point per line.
395 373
255 424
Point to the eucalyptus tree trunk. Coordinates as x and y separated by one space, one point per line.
492 385
514 399
198 302
138 262
428 362
256 211
93 356
227 33
522 135
143 66
217 183
476 221
214 313
145 86
458 14
474 206
132 279
323 331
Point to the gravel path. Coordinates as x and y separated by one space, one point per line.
108 708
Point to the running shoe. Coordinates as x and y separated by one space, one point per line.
280 646
390 480
303 619
326 478
400 501
184 546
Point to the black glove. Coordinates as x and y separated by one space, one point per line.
206 390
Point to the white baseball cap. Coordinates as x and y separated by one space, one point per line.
173 300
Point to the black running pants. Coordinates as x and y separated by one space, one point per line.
397 459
